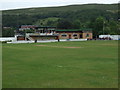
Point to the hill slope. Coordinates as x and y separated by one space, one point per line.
71 16
85 11
111 7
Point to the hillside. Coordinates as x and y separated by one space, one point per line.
71 16
111 7
70 11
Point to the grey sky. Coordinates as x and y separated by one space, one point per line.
16 4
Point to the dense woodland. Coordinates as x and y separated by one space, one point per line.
101 18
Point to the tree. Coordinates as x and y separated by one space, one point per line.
64 24
8 32
99 26
113 27
76 24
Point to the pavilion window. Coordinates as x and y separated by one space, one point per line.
87 35
75 35
64 35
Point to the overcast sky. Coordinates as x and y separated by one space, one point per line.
16 4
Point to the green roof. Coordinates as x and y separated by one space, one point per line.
82 29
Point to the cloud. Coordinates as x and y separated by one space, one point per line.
69 1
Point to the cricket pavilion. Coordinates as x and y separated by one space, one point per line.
51 33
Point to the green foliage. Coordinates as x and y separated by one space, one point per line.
8 32
51 21
64 24
99 26
77 24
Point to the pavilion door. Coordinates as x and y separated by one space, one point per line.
57 37
69 36
81 36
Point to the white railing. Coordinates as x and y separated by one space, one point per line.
43 34
27 34
46 33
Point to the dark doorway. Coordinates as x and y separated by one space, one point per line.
20 38
81 36
69 36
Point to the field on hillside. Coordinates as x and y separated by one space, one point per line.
87 64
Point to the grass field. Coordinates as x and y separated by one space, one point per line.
87 64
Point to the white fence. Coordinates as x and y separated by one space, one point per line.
45 41
7 38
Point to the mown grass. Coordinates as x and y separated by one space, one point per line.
94 65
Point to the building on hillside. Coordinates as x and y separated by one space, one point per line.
52 33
